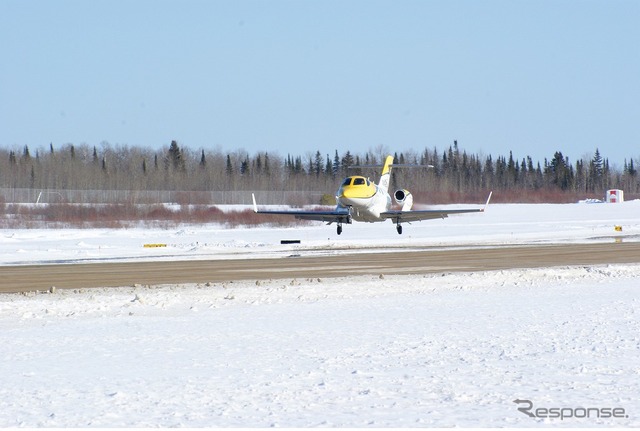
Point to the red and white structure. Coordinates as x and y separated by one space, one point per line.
614 196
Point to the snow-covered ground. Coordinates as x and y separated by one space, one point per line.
500 224
435 350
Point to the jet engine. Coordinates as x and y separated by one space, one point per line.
403 197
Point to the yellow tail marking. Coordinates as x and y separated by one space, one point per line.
387 165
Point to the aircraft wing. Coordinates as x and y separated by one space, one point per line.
334 216
409 216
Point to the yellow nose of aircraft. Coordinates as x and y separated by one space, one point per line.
356 188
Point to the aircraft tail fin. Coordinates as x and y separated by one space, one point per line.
386 173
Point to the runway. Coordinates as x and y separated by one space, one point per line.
87 275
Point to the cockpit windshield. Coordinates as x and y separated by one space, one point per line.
356 181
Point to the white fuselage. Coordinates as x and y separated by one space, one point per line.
366 205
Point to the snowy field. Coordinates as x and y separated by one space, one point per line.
451 349
501 224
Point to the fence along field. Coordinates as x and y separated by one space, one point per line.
29 208
139 197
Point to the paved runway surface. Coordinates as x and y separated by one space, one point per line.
86 275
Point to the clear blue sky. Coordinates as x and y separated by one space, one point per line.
298 76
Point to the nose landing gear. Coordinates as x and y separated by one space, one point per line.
399 228
345 219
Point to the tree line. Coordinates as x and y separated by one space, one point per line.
446 175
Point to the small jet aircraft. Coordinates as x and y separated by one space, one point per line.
359 199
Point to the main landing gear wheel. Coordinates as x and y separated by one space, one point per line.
339 229
399 228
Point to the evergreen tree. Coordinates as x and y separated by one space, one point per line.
336 165
258 164
229 166
244 167
631 170
580 184
597 163
297 167
328 167
596 173
288 164
488 173
347 161
512 171
560 171
175 158
630 177
318 164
